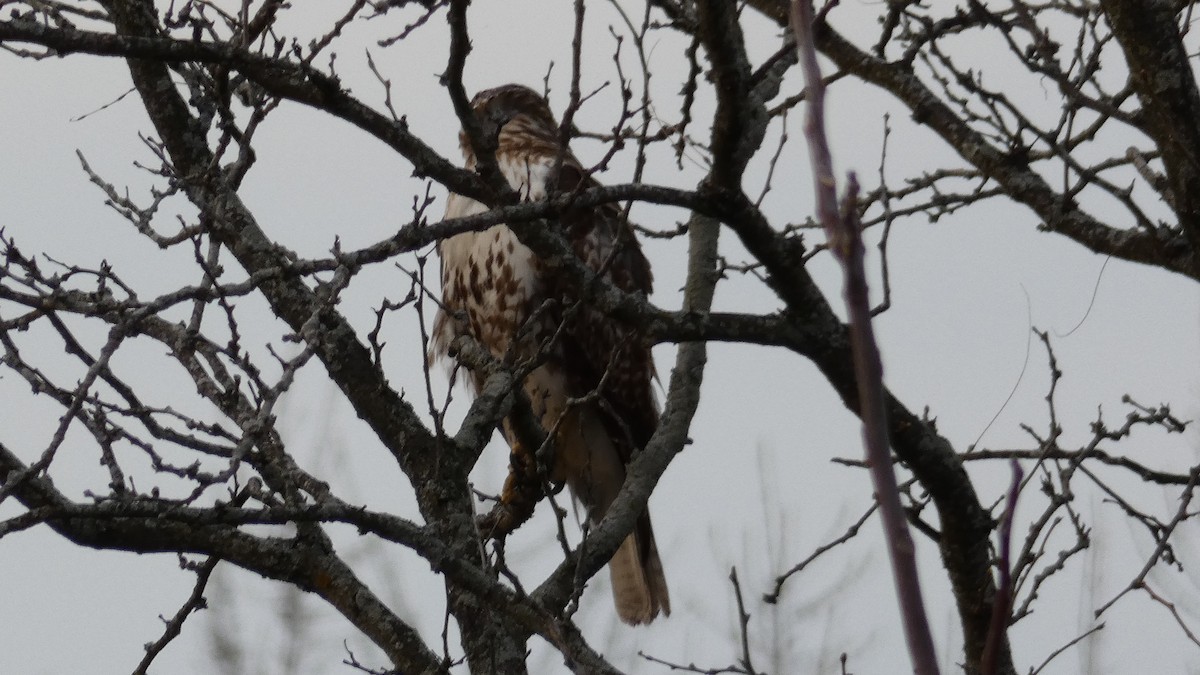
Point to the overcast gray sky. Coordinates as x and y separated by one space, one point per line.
756 489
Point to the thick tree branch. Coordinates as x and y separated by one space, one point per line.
1059 213
1161 73
437 471
279 76
966 525
297 561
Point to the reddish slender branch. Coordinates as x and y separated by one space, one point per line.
1002 608
845 240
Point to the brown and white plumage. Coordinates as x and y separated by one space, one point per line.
497 291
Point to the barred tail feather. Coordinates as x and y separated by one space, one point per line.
639 587
591 465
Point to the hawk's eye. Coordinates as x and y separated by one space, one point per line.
492 119
499 117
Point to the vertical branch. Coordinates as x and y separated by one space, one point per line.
1160 73
481 140
575 97
845 240
1002 609
824 182
743 622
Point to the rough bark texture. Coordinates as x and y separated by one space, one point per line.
1161 74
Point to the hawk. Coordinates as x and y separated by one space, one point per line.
591 390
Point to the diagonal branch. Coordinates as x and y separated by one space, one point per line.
174 627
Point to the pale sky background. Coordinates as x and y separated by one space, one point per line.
756 489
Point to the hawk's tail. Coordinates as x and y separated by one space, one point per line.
639 587
589 461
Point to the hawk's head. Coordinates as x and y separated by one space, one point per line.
497 107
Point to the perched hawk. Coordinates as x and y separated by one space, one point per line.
497 291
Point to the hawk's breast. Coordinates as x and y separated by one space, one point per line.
490 282
490 279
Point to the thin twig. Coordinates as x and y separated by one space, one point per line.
1094 629
194 602
849 534
743 622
